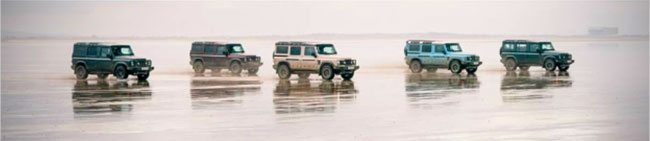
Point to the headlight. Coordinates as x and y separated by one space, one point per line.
148 62
131 63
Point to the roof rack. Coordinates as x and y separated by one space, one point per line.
99 43
298 43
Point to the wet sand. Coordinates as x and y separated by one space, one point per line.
600 97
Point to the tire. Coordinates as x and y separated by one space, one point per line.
565 68
120 72
524 68
471 71
510 64
283 71
102 75
327 72
303 75
235 67
347 76
253 70
415 66
143 76
198 67
81 72
549 65
455 67
432 70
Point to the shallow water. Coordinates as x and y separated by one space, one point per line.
603 96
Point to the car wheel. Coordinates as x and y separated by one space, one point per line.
432 70
415 66
347 76
549 65
303 75
235 67
102 75
327 72
198 67
510 64
471 71
283 72
81 72
524 68
143 76
563 68
253 70
455 67
120 72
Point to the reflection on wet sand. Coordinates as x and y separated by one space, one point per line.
427 89
216 91
521 86
308 97
104 97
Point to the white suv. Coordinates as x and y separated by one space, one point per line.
305 58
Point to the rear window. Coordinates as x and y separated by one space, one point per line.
92 51
79 50
295 50
426 48
414 47
281 49
508 47
197 48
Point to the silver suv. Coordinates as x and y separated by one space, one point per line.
305 58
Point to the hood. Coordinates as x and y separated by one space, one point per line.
129 58
333 57
555 53
460 54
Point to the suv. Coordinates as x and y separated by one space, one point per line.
108 58
432 55
217 56
305 58
525 53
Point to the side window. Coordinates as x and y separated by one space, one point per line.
208 49
414 47
104 52
221 49
426 48
281 50
295 51
440 48
197 48
508 47
522 47
309 51
92 51
533 47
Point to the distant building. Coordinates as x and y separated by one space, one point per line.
603 31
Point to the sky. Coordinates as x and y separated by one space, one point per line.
260 18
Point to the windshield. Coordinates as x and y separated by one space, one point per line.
236 49
547 46
123 51
453 48
326 49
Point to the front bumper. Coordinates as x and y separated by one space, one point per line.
140 70
346 68
472 64
250 65
565 62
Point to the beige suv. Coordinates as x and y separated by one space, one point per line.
305 58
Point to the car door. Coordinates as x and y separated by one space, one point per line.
104 61
534 57
438 56
426 54
522 53
221 58
209 55
295 54
309 60
92 58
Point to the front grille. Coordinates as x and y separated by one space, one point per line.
254 58
347 62
473 58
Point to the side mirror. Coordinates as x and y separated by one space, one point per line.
111 56
539 51
225 53
313 54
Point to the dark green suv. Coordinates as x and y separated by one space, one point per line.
108 58
525 53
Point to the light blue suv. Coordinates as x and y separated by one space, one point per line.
431 55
